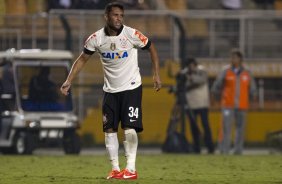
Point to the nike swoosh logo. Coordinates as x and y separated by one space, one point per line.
126 177
132 120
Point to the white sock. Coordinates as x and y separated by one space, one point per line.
130 146
112 145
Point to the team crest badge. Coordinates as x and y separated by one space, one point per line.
123 42
113 46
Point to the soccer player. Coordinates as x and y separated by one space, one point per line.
117 46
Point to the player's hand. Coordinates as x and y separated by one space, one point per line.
157 82
65 87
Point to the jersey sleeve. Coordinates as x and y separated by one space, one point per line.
89 45
139 40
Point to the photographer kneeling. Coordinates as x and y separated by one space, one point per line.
197 97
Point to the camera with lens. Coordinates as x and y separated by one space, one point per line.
180 84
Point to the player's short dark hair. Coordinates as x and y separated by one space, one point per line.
238 53
109 7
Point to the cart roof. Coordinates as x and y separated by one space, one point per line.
35 54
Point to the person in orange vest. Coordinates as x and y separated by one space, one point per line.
236 86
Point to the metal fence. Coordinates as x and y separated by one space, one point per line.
210 33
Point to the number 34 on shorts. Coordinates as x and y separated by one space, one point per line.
133 114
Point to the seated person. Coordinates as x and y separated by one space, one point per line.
41 88
7 86
8 79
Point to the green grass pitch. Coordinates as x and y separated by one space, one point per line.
152 169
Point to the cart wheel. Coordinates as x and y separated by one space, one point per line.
71 142
23 144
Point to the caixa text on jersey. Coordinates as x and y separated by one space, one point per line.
115 55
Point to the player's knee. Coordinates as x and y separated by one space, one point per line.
129 131
131 135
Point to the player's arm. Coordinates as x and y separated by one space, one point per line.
155 67
75 69
141 41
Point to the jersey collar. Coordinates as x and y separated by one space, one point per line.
107 32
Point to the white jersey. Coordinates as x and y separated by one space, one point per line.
118 55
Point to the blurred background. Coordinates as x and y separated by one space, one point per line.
204 29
